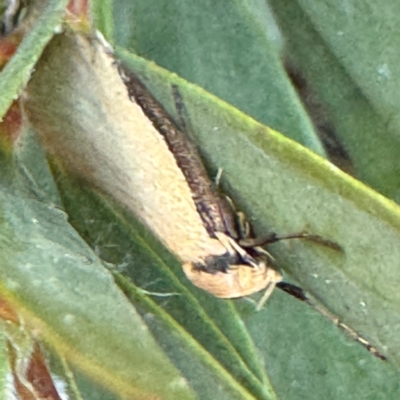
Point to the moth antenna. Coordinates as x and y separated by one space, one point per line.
217 178
261 250
268 291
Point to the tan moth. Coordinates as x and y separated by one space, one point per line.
236 273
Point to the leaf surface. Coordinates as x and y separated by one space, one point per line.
223 48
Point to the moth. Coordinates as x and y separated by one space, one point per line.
238 272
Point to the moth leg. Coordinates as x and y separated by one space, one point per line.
265 296
233 248
217 179
245 234
268 291
261 251
244 227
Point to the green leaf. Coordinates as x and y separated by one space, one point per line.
363 36
77 385
285 188
341 63
101 11
281 186
222 47
136 313
17 71
309 357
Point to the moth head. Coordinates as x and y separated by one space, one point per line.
238 281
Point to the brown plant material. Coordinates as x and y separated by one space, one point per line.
31 377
